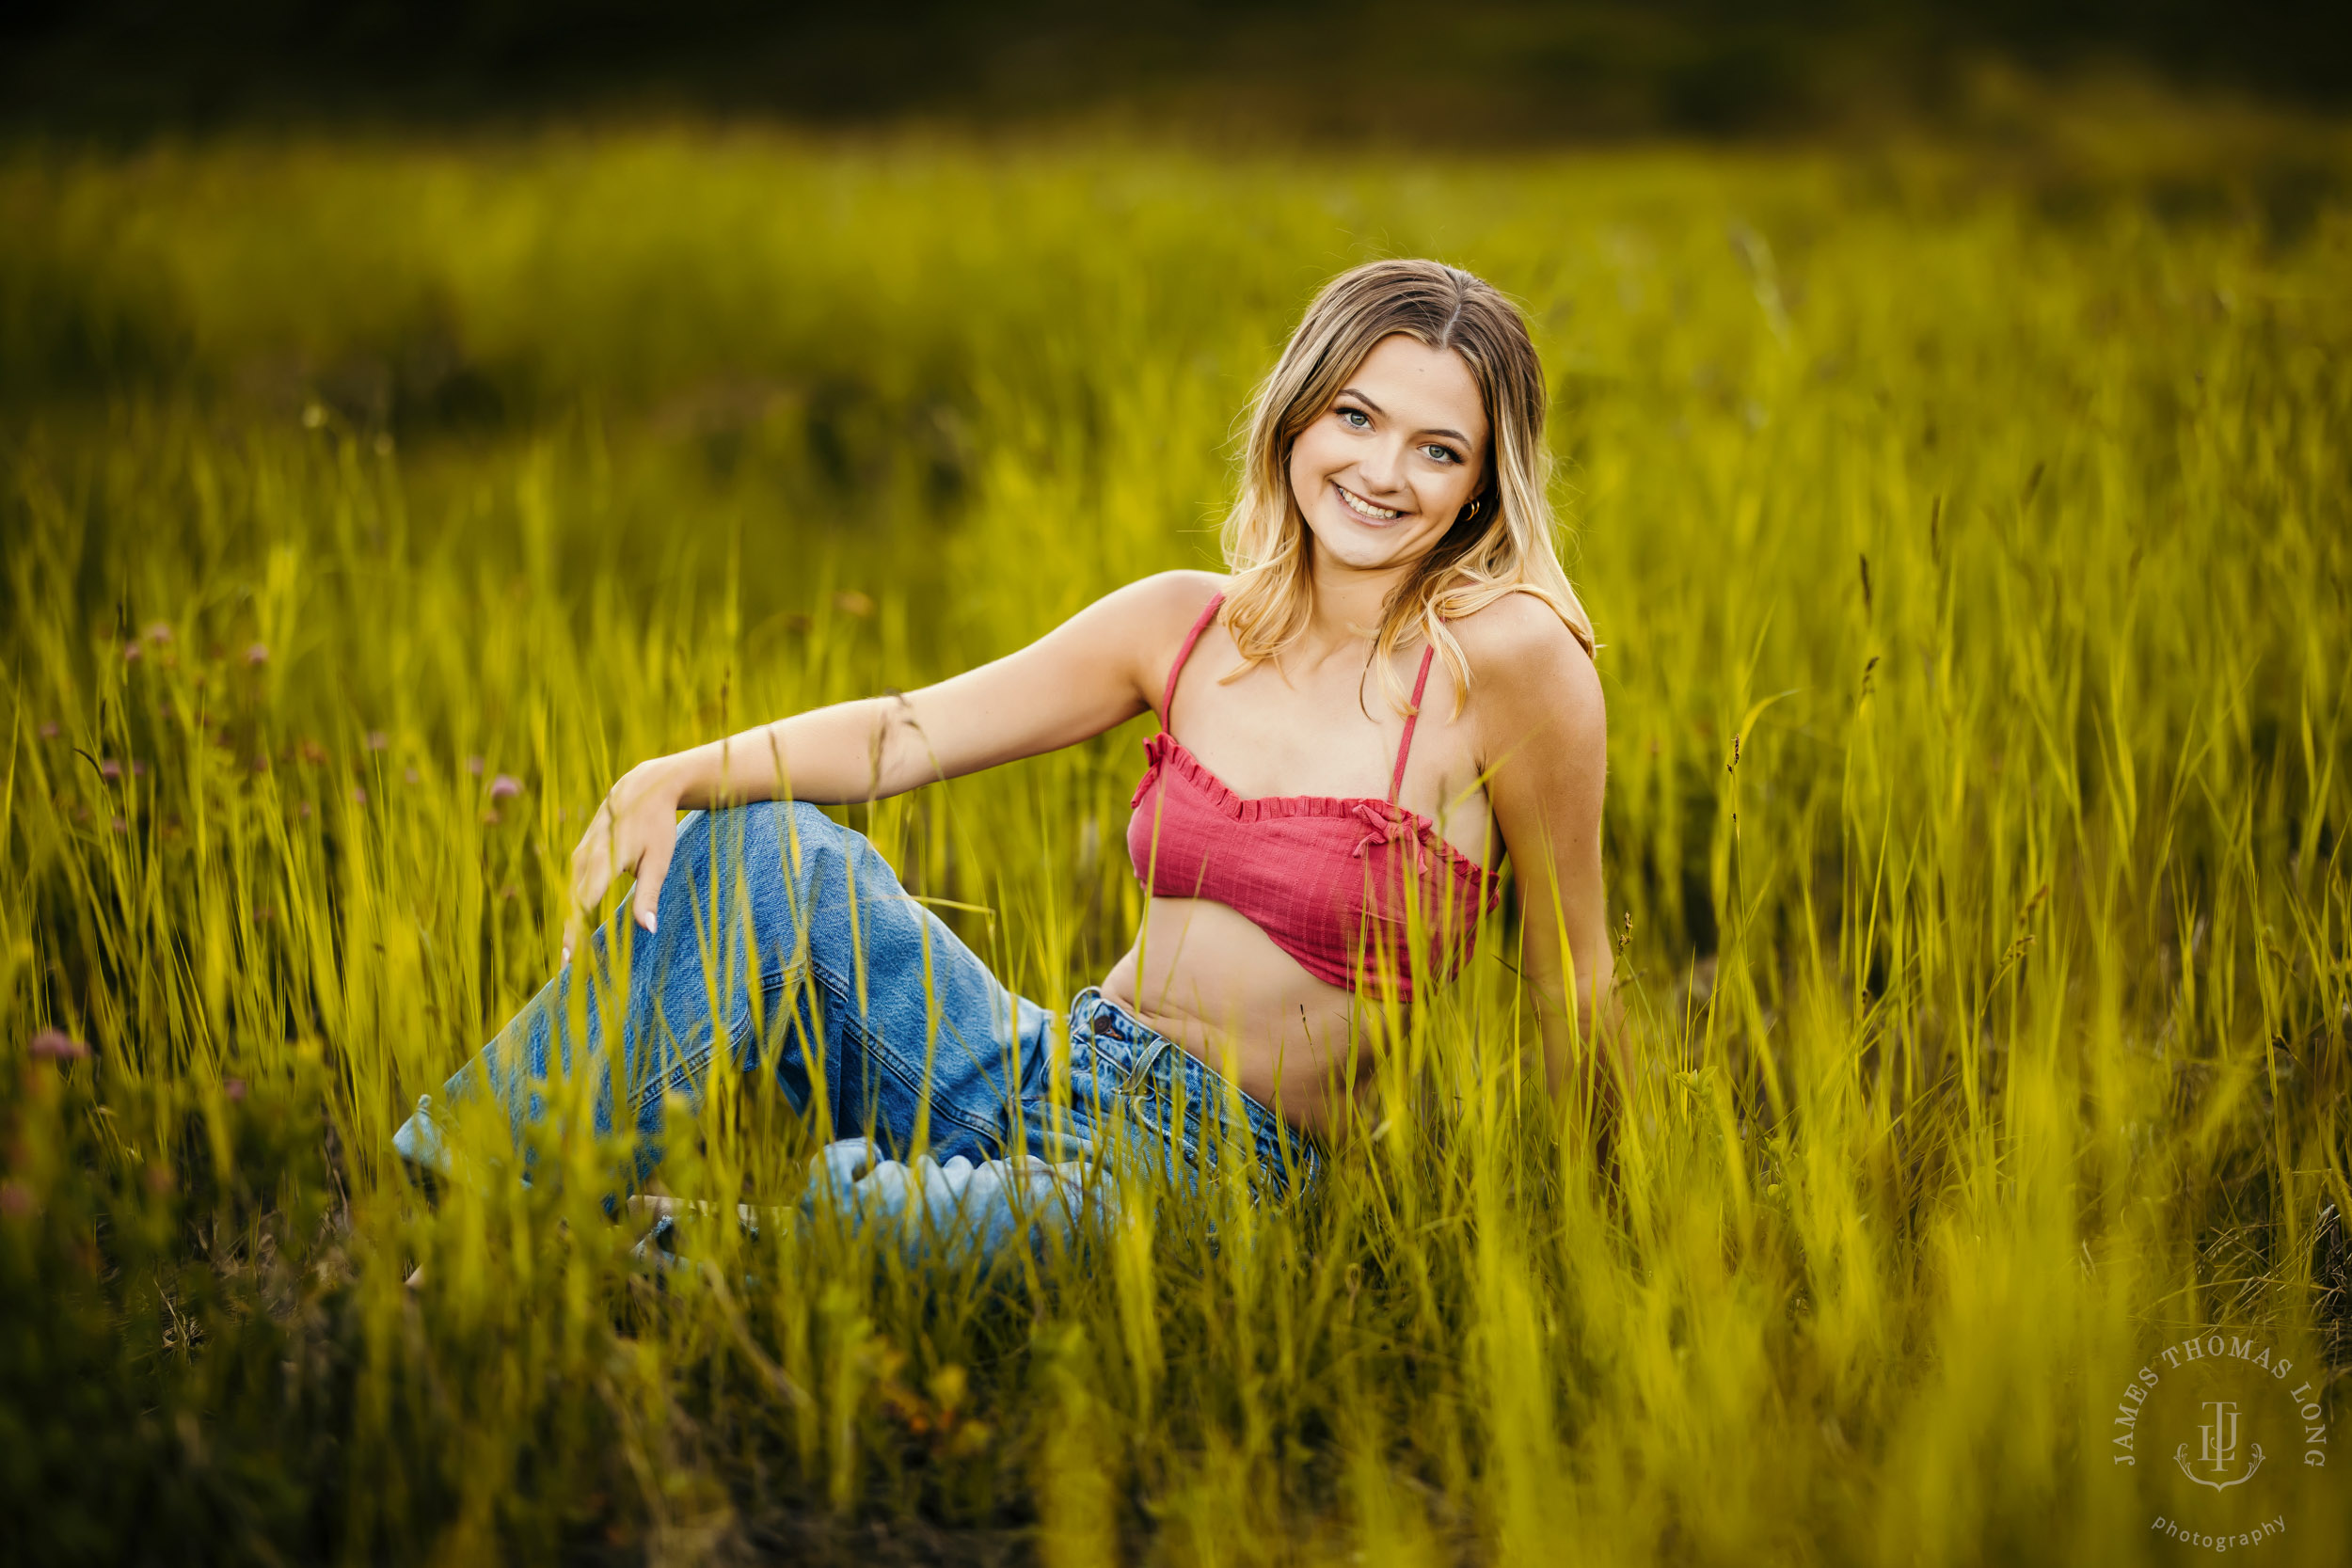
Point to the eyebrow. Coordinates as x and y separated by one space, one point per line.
1351 392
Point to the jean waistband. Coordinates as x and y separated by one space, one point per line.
1147 1066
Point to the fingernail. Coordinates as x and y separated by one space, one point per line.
648 922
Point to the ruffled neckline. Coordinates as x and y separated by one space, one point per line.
1390 821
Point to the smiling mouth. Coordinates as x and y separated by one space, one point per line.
1363 508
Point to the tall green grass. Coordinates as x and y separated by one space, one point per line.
1968 537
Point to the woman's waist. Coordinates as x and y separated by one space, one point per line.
1246 1011
1182 1083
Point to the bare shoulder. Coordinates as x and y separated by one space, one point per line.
1179 597
1527 667
1135 628
1146 615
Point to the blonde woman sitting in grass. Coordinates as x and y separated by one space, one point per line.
1389 690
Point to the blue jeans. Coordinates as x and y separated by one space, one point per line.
788 935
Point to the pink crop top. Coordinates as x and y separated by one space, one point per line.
1330 879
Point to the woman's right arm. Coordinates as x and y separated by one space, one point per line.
1096 669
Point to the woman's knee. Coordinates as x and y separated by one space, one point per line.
790 840
801 828
760 828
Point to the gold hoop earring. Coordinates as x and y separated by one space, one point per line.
1472 509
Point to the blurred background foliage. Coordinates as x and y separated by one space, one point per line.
1478 71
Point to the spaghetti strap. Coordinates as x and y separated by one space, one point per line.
1168 699
1405 747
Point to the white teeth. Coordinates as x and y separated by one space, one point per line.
1365 509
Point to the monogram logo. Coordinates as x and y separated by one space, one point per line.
2218 1450
2222 1403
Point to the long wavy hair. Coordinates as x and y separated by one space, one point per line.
1505 546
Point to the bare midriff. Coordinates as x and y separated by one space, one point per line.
1208 978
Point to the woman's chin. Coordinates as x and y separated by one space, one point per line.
1355 542
1364 550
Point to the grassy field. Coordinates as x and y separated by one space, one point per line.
1967 531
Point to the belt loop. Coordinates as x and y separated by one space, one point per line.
1093 1044
1139 1075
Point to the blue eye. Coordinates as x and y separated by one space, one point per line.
1443 455
1356 418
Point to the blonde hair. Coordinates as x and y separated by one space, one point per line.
1505 546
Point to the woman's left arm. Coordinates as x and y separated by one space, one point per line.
1542 734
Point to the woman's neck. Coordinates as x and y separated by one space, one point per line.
1346 606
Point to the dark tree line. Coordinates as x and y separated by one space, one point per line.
1475 69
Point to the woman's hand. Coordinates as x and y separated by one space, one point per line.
635 831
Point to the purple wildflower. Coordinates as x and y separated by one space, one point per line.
258 654
56 1045
505 787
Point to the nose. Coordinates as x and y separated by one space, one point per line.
1380 467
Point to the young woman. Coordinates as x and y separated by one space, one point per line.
1389 690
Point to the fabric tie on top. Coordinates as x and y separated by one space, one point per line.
1390 823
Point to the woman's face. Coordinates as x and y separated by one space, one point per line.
1382 473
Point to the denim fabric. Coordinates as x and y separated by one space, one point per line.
780 930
